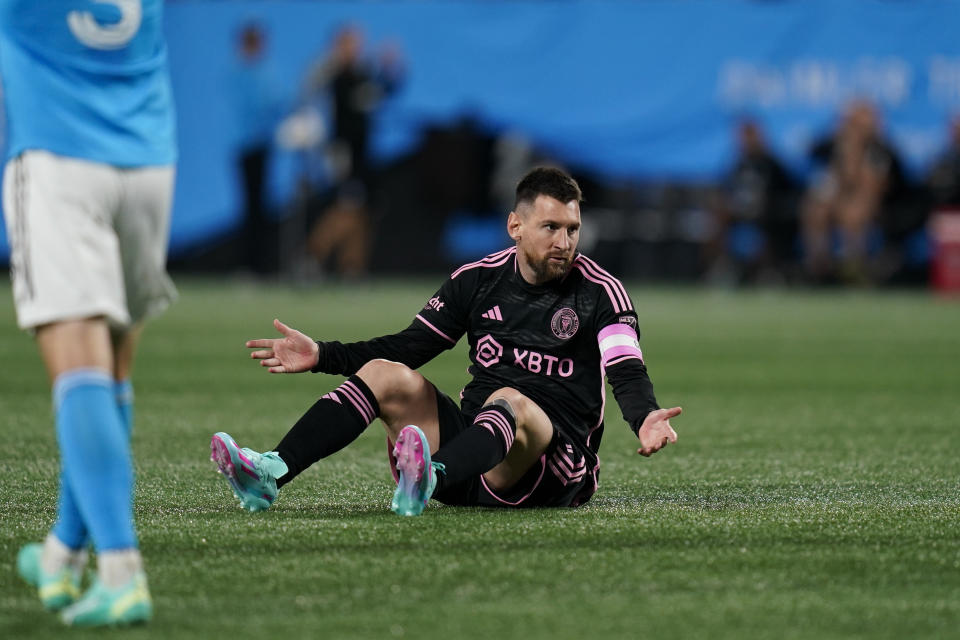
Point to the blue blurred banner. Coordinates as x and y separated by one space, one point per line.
645 90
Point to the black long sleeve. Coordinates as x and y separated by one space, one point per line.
414 346
633 391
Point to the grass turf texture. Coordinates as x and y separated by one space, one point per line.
814 493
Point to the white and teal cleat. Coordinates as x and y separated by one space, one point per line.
252 476
101 606
56 590
417 473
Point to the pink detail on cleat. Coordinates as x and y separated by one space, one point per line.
417 480
244 458
221 456
409 454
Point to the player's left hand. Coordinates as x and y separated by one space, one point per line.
656 432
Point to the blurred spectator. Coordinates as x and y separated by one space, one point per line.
258 100
356 86
754 217
860 172
943 180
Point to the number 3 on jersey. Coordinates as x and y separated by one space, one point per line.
87 30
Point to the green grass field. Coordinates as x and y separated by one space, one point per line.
814 492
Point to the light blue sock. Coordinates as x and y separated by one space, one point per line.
95 454
69 527
123 392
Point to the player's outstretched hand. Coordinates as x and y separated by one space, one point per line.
293 353
656 432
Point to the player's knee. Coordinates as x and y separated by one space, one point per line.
389 380
534 428
512 400
380 367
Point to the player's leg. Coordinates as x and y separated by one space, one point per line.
69 525
128 217
76 354
534 431
98 470
66 544
508 435
408 410
524 461
139 216
332 423
396 394
404 397
142 227
95 443
65 268
124 350
55 566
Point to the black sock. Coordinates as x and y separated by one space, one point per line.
334 421
479 448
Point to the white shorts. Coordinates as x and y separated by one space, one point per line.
87 239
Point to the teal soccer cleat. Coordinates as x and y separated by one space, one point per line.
57 590
101 606
417 474
252 476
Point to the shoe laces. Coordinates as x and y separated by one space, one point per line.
256 458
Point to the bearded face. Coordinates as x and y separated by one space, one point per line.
549 267
547 233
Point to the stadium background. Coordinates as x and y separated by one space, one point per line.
638 99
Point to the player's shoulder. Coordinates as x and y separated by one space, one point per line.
605 285
486 266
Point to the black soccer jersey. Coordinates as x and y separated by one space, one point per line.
552 342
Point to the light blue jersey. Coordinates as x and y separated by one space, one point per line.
87 79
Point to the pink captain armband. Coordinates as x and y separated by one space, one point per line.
618 342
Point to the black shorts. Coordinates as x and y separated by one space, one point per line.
560 478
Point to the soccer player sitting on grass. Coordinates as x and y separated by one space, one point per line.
544 324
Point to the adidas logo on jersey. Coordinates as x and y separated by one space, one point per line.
493 314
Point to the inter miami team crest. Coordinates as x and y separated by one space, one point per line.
565 323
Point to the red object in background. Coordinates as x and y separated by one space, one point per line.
945 265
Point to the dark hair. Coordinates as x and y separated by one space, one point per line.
547 181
